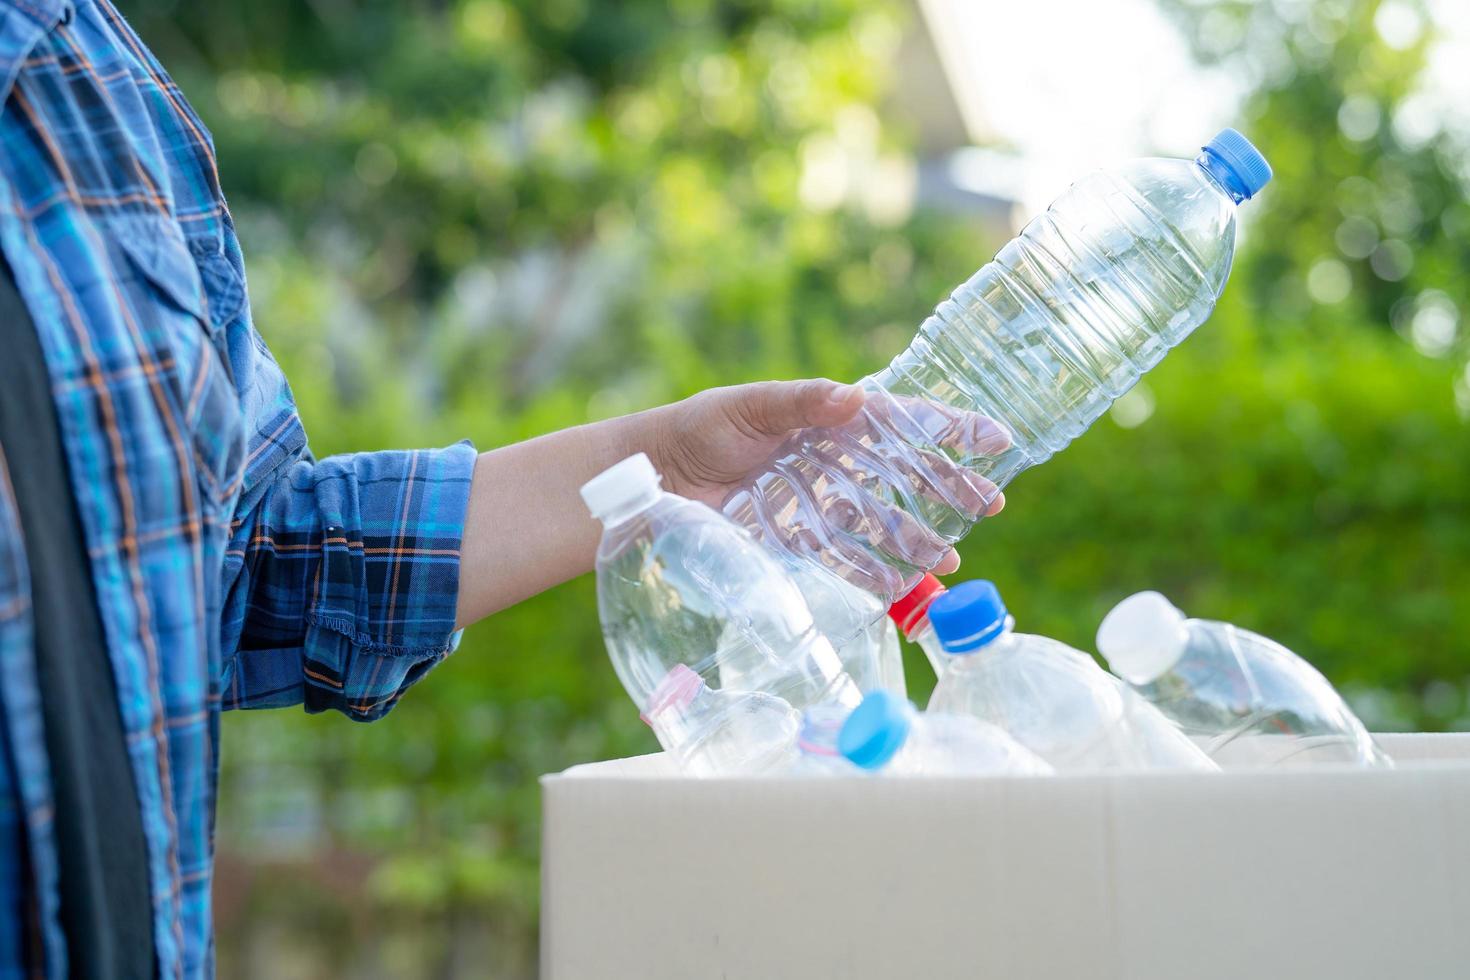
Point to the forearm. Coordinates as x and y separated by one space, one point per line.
526 529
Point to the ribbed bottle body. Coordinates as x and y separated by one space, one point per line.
1010 368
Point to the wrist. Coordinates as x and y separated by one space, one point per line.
645 432
656 432
662 434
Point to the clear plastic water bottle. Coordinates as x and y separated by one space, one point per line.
841 611
911 615
816 743
1248 700
1007 371
886 734
681 590
717 733
1052 699
874 659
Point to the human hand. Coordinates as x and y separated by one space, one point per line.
526 528
708 445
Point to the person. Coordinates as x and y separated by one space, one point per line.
169 546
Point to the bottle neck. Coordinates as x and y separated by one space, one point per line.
820 727
1221 176
680 688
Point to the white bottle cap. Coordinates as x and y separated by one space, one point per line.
620 486
1142 637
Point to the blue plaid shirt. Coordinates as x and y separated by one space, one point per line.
232 569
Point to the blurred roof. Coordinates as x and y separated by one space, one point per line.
1059 86
932 89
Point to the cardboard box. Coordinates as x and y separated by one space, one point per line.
1330 873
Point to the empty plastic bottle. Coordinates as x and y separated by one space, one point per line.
1007 371
714 733
1248 700
1052 699
874 659
840 610
911 615
816 742
681 589
887 734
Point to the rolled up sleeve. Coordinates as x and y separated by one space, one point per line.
345 576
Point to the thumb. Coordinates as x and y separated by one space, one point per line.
776 407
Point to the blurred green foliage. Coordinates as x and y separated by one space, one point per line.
493 218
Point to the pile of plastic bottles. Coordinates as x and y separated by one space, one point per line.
755 640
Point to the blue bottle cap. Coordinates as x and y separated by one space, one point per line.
968 616
875 730
1243 171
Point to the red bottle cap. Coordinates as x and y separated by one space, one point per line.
909 610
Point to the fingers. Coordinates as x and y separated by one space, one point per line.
818 525
966 434
938 479
892 487
906 436
854 491
774 408
949 564
885 528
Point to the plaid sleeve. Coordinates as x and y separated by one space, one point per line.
347 579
